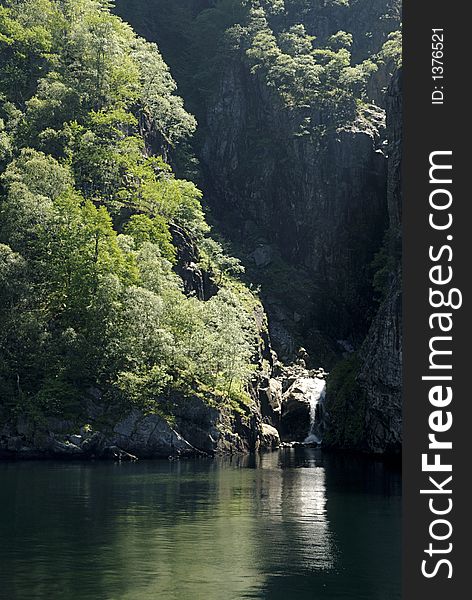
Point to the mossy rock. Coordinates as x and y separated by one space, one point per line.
346 407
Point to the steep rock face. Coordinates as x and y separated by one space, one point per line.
315 205
365 392
380 374
321 204
306 213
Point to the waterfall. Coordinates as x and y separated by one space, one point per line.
316 395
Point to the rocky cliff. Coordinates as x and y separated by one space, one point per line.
293 204
365 399
306 209
380 374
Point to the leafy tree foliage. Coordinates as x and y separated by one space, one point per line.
304 74
88 295
323 80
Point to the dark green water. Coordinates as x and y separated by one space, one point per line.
297 524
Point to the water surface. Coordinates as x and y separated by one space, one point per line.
294 524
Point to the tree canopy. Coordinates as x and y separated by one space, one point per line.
88 294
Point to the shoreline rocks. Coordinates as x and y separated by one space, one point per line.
270 439
287 399
197 428
135 436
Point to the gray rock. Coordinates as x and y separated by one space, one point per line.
65 449
270 397
14 444
196 281
270 439
263 256
296 406
95 444
380 375
149 436
275 388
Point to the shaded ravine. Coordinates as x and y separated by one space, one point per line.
306 216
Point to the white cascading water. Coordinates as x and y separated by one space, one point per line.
316 391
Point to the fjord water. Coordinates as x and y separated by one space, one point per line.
294 524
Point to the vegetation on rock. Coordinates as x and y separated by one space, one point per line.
88 294
112 283
347 405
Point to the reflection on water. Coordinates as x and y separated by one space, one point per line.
293 506
292 524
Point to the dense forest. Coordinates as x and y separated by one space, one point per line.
89 293
118 277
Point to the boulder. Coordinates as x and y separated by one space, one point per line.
295 420
65 449
299 401
149 436
270 439
275 389
270 396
